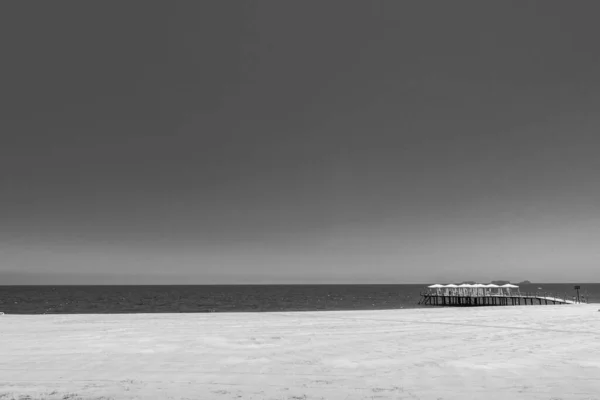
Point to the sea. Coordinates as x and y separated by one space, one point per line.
234 298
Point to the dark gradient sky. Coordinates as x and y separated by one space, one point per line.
299 141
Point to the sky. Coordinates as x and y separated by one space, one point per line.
333 141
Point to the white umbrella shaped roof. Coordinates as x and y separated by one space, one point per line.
508 285
491 285
465 285
451 285
437 285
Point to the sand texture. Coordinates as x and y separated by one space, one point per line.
522 352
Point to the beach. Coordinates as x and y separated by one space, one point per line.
520 352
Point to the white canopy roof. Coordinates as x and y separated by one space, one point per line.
508 285
491 285
451 285
465 285
437 285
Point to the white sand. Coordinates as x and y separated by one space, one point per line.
522 352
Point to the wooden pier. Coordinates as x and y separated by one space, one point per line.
494 300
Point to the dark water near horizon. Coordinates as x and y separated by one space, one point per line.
230 298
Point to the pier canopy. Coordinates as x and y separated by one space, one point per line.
491 286
479 288
474 289
436 286
465 288
509 286
450 289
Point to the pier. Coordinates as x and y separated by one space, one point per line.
474 295
495 300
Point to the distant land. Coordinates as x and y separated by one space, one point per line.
497 282
506 282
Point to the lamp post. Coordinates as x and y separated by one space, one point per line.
577 288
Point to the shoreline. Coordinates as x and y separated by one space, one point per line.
358 312
517 352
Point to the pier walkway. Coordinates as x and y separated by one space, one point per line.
434 299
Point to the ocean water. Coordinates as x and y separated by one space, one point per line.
230 298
